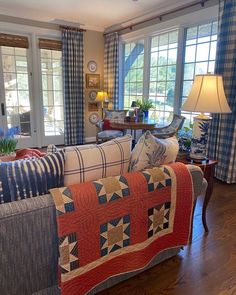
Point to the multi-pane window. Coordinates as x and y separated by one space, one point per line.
16 88
133 61
200 54
52 86
162 75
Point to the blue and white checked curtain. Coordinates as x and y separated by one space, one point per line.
72 64
222 136
111 67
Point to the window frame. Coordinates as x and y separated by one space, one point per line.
180 24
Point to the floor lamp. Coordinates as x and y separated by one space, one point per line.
206 96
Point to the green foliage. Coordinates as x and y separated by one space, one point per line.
7 145
145 105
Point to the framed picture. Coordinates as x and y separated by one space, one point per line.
93 81
92 106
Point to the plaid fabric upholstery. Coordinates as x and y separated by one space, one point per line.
111 67
72 60
222 135
87 163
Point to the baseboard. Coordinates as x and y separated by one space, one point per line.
90 139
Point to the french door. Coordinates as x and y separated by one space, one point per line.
15 92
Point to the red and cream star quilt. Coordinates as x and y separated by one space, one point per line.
118 224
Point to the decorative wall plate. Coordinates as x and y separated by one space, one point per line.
92 66
92 94
93 118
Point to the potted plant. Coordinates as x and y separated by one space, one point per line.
184 138
145 105
8 143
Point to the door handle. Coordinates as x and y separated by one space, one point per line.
3 109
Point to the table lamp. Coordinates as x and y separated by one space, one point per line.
206 95
102 97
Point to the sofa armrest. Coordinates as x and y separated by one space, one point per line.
199 182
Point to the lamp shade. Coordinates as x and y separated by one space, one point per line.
207 95
101 96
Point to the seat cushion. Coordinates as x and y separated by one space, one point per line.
109 134
30 177
87 163
151 151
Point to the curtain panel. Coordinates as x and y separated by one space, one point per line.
111 67
222 135
72 65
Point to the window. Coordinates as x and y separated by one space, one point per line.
200 53
162 75
187 51
53 110
133 62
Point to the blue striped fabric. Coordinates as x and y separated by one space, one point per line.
111 67
73 67
31 177
222 133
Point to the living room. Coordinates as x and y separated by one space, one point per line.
117 147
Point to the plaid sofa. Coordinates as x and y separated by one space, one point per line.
28 245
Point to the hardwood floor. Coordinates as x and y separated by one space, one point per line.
207 266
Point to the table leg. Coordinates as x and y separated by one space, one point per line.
134 139
209 177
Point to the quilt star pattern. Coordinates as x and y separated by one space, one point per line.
119 224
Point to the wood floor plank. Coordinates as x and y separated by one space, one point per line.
207 266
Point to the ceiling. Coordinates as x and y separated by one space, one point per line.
93 14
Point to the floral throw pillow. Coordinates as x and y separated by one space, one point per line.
151 152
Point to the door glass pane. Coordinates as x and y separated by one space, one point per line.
16 87
53 109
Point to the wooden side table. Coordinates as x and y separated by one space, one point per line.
208 168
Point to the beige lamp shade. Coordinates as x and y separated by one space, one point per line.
102 96
207 95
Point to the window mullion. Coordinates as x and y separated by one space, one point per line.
146 68
121 76
179 71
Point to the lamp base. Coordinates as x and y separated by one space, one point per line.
197 161
199 138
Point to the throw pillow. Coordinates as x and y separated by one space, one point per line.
151 151
31 177
87 163
115 115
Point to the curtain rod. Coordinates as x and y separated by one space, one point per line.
159 16
72 28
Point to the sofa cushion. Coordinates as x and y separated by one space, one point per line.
151 151
87 163
30 177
